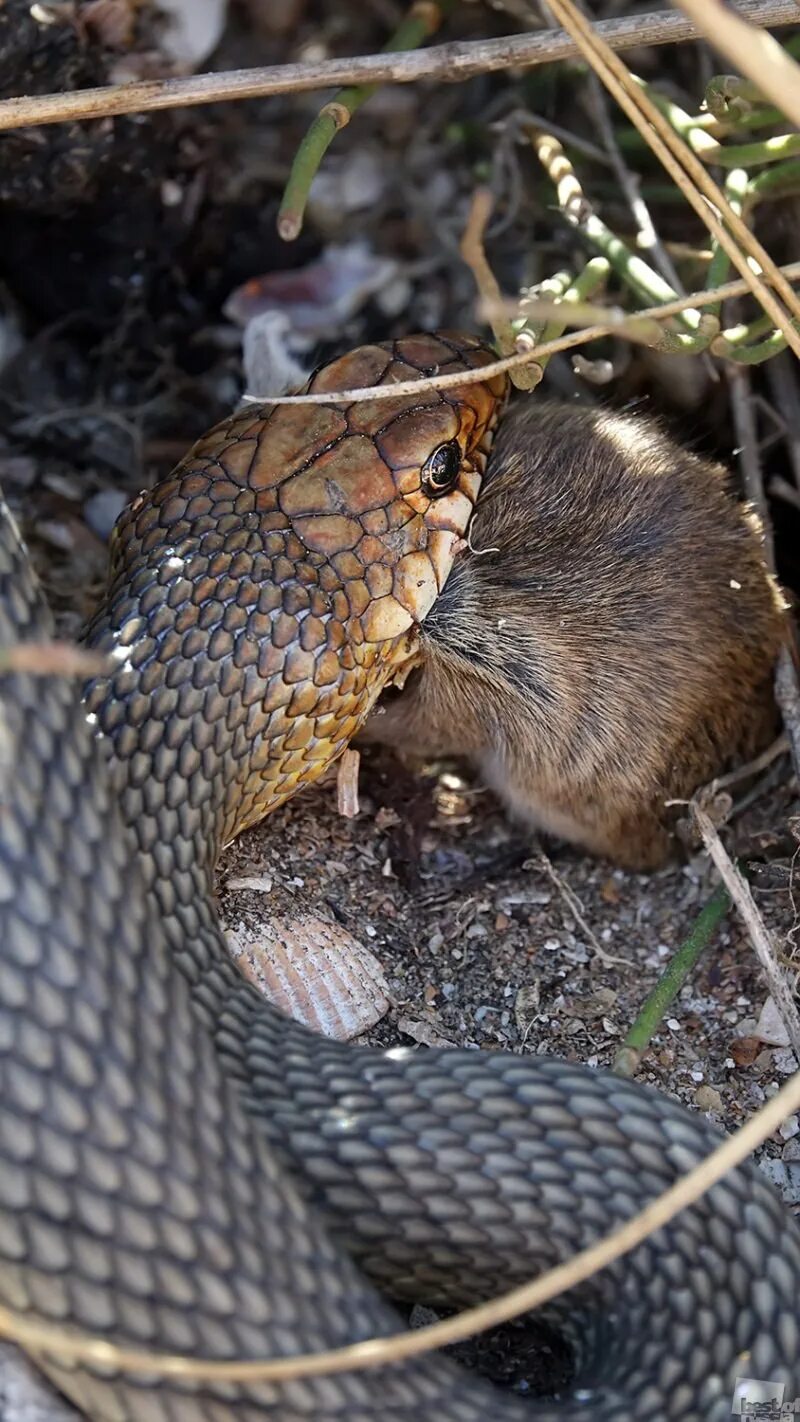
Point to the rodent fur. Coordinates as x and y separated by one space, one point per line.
616 651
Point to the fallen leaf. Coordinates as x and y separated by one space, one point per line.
744 1050
426 1033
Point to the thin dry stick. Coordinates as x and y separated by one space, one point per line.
740 892
752 767
54 659
575 907
377 1352
446 62
757 54
617 320
679 161
473 254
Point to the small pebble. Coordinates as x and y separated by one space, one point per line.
102 510
785 1176
789 1128
707 1099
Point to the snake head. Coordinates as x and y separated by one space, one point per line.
385 487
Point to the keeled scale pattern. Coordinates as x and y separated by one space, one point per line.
138 1199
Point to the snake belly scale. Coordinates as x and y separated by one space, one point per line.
181 1167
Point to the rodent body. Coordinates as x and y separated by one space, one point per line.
606 643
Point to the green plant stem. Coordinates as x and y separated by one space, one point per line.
647 284
420 23
781 181
754 354
690 128
669 984
718 268
584 286
765 150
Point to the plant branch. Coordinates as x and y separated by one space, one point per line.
453 62
669 984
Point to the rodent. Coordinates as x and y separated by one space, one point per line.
614 648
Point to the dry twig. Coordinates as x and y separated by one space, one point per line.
615 320
54 659
740 892
453 63
473 254
573 903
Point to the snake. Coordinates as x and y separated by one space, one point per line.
184 1169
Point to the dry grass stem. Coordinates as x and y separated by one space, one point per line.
740 892
615 319
452 63
755 766
53 659
474 256
573 903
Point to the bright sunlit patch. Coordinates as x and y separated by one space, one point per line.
341 1120
399 1054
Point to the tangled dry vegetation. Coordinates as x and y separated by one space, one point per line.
627 226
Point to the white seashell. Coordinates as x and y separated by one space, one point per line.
316 973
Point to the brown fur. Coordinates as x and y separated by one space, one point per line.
617 651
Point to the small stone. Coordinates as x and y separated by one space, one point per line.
785 1176
784 1061
707 1099
102 510
771 1027
789 1128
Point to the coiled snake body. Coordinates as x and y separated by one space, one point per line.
183 1169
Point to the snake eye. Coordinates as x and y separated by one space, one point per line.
441 469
